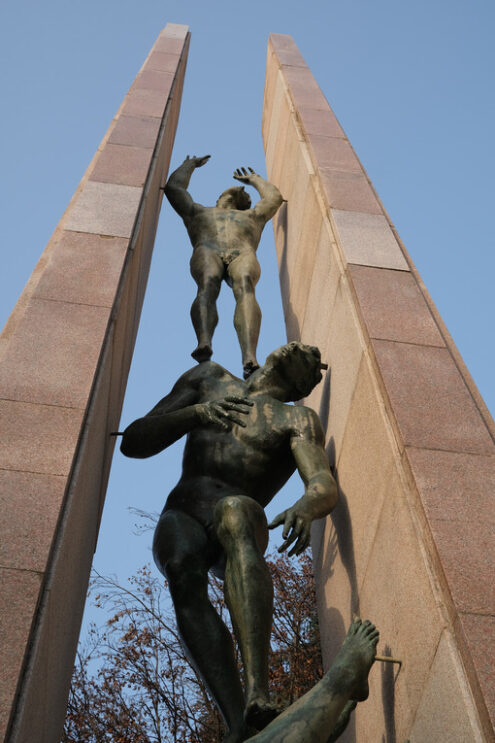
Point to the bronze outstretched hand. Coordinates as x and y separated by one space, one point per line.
244 175
198 162
297 528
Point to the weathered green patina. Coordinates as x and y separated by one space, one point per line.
321 715
243 443
224 239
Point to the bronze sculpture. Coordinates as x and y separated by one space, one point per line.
224 239
243 443
321 715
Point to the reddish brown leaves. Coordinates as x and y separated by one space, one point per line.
133 684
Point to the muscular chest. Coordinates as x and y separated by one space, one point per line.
267 425
225 226
266 428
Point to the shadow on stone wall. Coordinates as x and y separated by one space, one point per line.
340 516
292 325
335 621
389 677
341 542
324 413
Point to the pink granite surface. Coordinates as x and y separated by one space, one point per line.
438 718
83 269
30 505
366 239
322 123
63 370
467 552
169 45
162 61
348 190
122 164
154 80
393 307
455 485
19 591
411 544
53 356
430 401
104 209
303 88
142 101
38 438
334 153
137 131
479 629
285 49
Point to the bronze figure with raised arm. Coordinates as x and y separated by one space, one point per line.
224 239
243 443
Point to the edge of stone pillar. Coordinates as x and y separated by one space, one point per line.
349 286
70 396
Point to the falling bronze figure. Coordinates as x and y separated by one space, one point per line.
243 443
224 239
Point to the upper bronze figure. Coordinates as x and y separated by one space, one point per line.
243 443
224 239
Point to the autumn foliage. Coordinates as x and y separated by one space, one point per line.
133 684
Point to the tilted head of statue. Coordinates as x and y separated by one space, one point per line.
299 368
234 198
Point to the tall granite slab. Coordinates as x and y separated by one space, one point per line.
64 359
410 545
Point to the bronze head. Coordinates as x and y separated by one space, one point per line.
299 366
234 198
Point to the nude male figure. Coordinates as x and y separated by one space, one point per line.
243 443
224 239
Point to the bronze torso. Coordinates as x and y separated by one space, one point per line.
253 461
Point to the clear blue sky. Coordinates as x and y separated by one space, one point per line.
412 85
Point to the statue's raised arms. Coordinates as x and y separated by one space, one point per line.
225 238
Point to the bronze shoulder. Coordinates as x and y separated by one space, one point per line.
306 423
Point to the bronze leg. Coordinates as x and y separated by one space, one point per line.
314 716
179 549
244 273
207 270
242 530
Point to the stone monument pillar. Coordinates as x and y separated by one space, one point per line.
65 354
410 544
